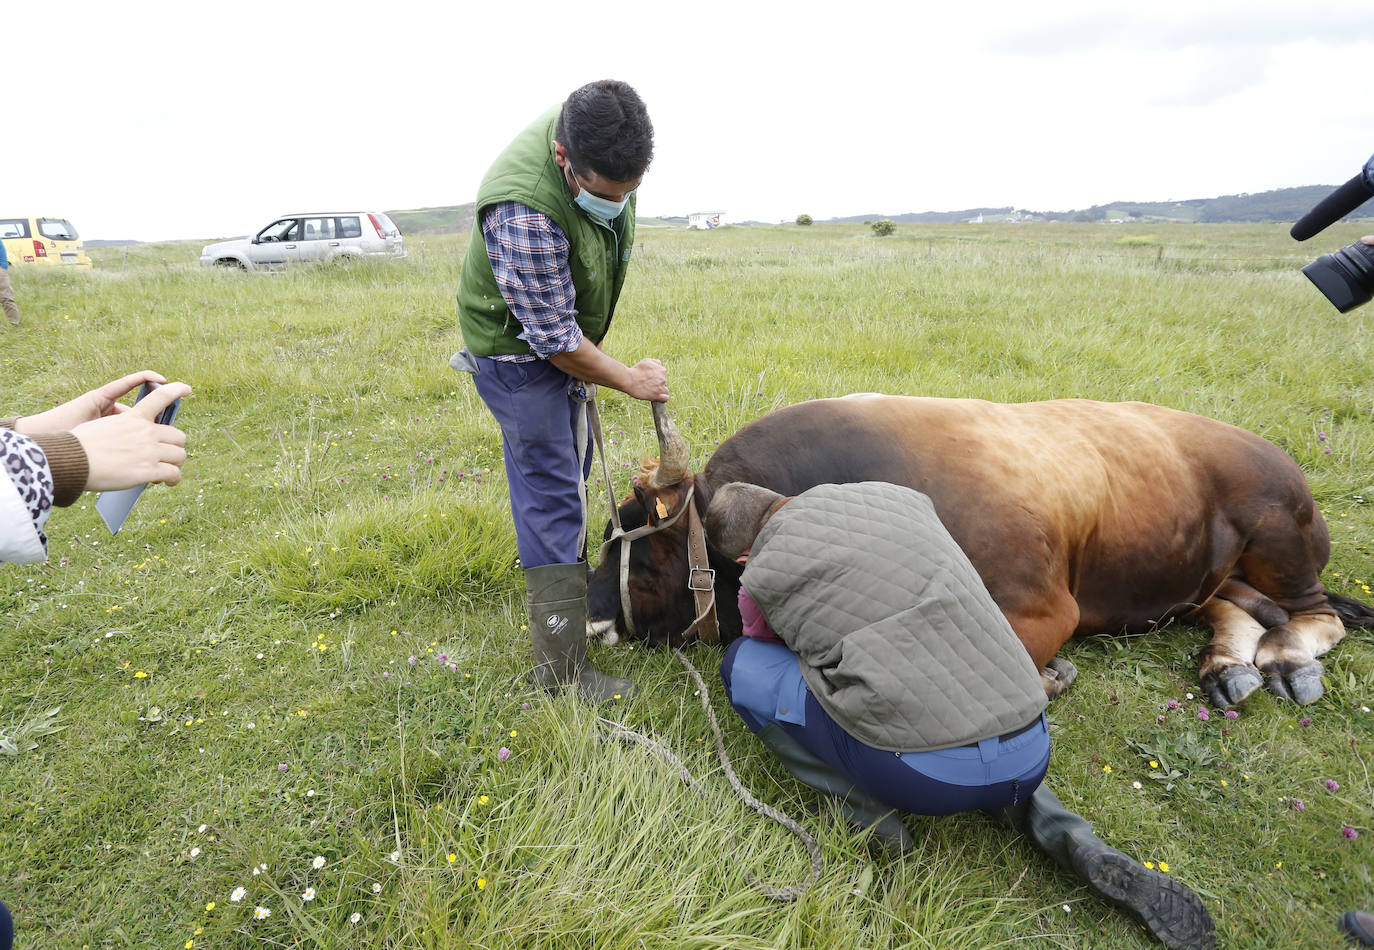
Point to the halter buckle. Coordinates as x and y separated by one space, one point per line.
695 573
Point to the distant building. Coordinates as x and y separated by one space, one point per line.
704 220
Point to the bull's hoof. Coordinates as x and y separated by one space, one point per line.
1302 684
1230 685
1057 676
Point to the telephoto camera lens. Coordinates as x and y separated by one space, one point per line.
1346 276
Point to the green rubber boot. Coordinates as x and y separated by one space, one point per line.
556 597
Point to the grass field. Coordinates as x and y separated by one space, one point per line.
311 652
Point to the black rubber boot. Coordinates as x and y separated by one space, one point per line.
556 596
858 808
1360 925
1169 909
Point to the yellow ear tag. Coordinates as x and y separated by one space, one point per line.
660 508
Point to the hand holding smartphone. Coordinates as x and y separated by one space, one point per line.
114 506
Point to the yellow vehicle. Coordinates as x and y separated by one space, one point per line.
50 241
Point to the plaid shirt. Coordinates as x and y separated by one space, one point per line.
529 257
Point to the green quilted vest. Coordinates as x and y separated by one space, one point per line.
599 255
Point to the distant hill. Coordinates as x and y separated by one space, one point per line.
938 217
1283 204
453 219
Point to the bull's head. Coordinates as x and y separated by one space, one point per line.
660 603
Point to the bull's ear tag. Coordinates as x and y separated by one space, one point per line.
660 507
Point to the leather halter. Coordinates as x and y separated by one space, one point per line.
701 578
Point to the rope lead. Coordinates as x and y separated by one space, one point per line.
625 734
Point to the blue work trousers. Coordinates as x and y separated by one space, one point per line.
765 684
539 408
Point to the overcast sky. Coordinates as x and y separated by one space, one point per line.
196 120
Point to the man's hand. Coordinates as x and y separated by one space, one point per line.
128 448
1368 239
648 380
95 404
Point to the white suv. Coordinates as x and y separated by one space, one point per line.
327 236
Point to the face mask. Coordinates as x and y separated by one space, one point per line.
599 207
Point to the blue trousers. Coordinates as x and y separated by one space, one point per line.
765 685
6 929
538 407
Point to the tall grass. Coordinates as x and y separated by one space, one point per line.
314 647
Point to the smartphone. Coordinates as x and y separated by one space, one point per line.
114 506
168 415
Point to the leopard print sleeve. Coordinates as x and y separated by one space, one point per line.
27 467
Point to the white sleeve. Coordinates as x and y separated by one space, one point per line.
21 534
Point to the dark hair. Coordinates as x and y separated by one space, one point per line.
736 514
605 128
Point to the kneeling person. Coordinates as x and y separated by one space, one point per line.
894 682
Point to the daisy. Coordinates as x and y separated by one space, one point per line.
309 894
354 917
318 862
238 894
261 913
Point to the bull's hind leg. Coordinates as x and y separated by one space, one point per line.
1283 561
1287 655
1226 667
1044 623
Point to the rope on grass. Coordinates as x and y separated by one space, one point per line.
625 734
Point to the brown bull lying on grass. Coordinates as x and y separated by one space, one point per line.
1081 517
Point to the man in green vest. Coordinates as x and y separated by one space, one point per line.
556 223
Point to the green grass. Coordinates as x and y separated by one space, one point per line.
239 657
